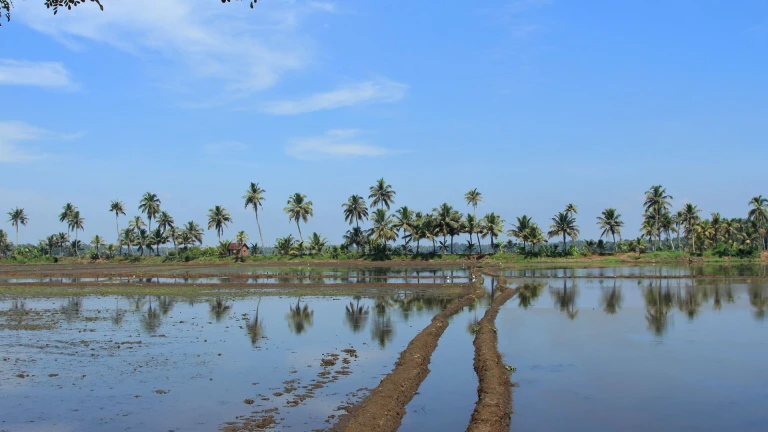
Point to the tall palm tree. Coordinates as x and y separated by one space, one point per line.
383 230
241 238
382 194
491 225
299 209
521 230
759 214
610 222
471 227
149 205
118 208
128 237
445 220
473 198
405 223
564 224
254 196
218 217
76 223
355 209
173 234
690 217
17 217
194 231
164 223
656 203
66 214
570 209
97 241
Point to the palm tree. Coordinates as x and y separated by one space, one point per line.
119 209
383 227
254 196
97 241
194 231
382 194
50 242
656 203
299 209
491 225
317 243
355 209
149 205
66 212
158 238
570 209
690 217
610 222
241 238
357 237
173 234
17 217
218 217
759 214
564 224
164 222
471 226
62 240
76 223
405 223
521 230
445 219
473 198
128 237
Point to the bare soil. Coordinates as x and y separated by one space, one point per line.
493 409
384 408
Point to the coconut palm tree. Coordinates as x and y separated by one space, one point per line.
610 222
173 235
521 230
194 231
491 225
3 243
76 223
17 217
254 196
50 242
66 212
164 222
382 194
317 243
299 209
570 209
218 218
564 224
473 198
383 230
405 223
356 237
97 241
149 205
690 217
241 238
355 209
471 227
62 240
656 203
759 214
118 208
445 219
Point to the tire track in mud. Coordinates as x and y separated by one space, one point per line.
384 408
493 410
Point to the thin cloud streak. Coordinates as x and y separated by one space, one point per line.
336 144
14 136
367 92
30 73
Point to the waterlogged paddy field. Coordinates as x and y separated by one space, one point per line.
619 348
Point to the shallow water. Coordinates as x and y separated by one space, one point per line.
162 363
637 355
710 270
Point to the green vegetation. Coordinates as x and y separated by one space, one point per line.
712 239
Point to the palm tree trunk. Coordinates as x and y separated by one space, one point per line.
614 242
77 249
417 245
17 235
479 246
299 227
563 244
263 251
117 226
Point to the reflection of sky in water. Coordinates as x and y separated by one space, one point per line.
674 355
181 342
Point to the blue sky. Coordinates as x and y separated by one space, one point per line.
536 103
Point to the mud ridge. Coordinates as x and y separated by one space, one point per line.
493 410
384 408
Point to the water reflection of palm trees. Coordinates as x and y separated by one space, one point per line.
758 298
658 304
72 308
527 293
118 315
689 300
255 327
165 304
151 319
300 318
565 298
720 294
357 315
219 308
382 331
611 298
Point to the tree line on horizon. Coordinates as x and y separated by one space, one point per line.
440 227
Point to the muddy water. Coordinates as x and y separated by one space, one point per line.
164 363
612 354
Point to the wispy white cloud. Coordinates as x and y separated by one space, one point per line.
367 92
518 6
224 148
236 50
15 138
336 143
29 73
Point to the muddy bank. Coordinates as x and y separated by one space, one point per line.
384 408
494 393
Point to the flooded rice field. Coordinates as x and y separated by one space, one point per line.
617 348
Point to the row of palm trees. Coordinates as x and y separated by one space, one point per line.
413 227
